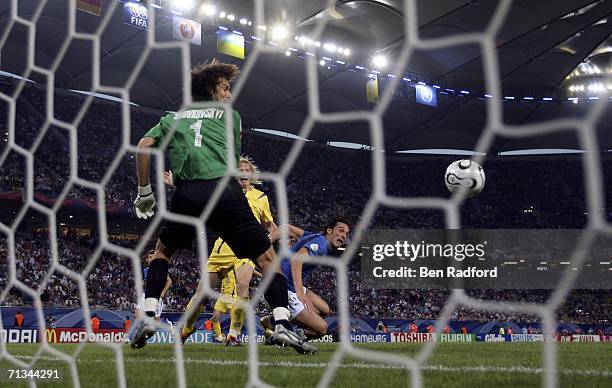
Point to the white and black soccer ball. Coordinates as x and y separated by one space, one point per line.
465 175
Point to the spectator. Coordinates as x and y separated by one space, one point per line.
208 325
554 198
126 324
381 327
413 328
19 319
95 322
50 322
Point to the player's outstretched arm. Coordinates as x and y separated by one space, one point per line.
145 201
270 226
294 232
143 161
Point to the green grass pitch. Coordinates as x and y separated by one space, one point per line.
452 365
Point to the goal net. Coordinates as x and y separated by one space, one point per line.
83 150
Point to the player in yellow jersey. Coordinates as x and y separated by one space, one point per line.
222 258
225 303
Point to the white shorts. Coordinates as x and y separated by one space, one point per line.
295 305
160 306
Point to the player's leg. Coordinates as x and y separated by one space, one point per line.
157 274
313 324
312 321
244 273
220 261
234 221
276 294
195 307
220 308
277 297
159 310
139 313
173 237
320 305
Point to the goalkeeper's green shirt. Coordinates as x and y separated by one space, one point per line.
198 146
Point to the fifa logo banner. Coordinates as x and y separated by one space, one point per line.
136 14
185 29
426 95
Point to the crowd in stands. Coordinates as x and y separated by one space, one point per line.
520 193
110 283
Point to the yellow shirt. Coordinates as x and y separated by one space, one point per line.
258 201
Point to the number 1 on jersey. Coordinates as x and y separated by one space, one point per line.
197 126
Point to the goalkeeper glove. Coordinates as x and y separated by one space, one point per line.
144 203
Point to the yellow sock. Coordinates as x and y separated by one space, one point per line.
217 329
238 315
193 317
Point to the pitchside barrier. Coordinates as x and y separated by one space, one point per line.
77 335
113 319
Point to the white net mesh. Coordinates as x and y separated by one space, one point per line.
495 126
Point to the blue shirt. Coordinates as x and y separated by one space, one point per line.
316 244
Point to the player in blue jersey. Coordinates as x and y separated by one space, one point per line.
306 308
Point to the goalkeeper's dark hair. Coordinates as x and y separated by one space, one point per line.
205 77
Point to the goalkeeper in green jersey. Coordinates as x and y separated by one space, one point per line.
198 161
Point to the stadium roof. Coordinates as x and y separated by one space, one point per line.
539 44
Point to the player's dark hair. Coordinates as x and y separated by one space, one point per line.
206 76
331 224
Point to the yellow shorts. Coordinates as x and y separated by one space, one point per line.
219 263
222 258
224 303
